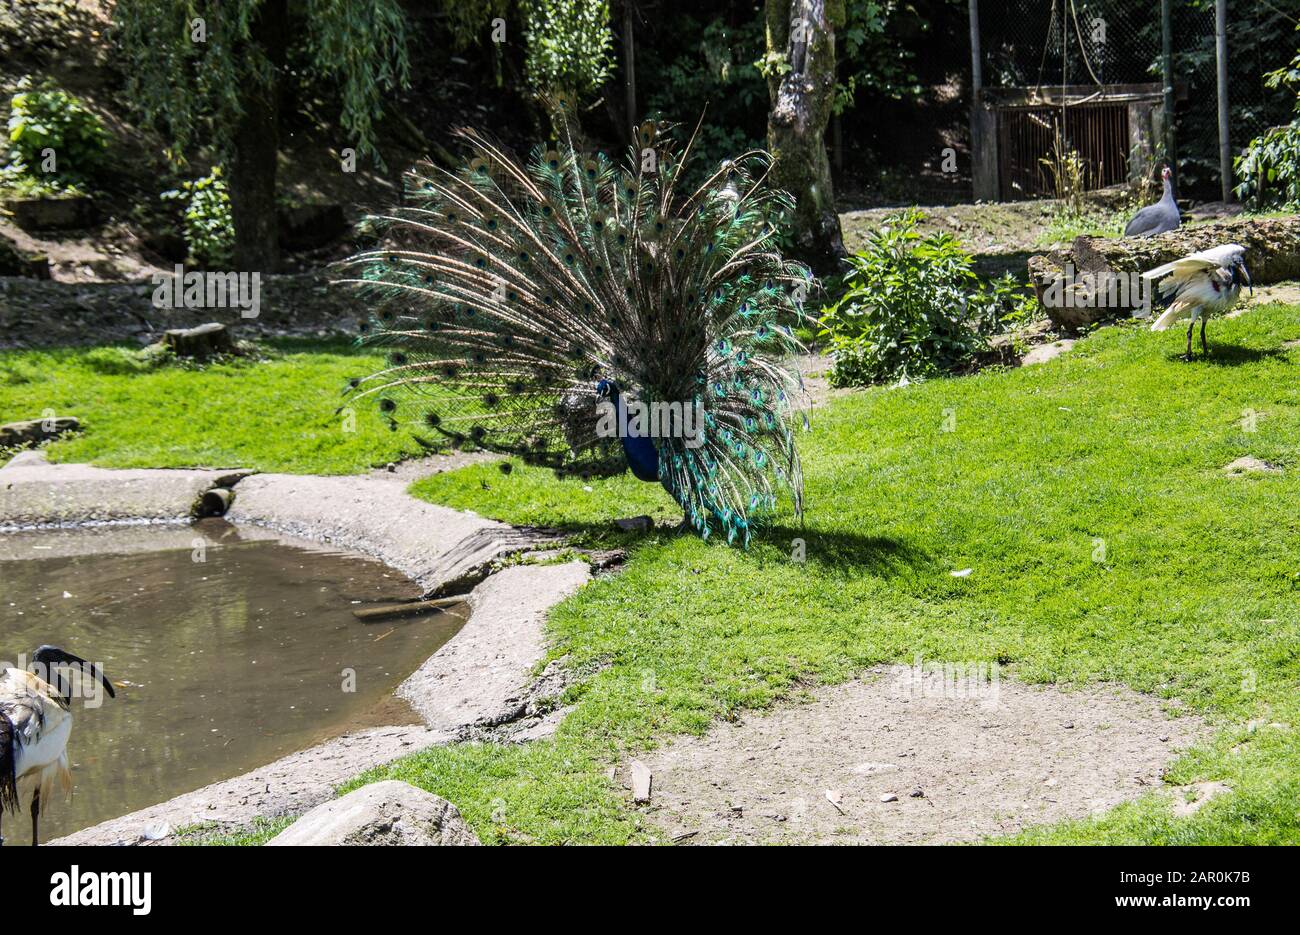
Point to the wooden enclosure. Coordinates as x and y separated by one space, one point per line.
1015 129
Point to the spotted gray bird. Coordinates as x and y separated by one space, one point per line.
1158 218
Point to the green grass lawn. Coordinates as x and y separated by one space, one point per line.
1086 494
277 415
1105 540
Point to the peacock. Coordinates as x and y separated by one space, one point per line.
592 318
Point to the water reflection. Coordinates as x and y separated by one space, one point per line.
229 648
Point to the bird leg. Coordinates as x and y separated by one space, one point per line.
1190 326
1204 349
36 811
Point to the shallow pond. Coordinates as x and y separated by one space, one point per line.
228 648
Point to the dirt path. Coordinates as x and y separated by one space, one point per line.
887 760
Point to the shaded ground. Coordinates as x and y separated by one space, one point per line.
1004 757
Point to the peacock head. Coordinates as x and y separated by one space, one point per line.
607 389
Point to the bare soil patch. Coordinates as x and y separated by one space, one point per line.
880 761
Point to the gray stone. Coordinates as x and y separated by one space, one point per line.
37 493
33 431
1251 465
635 523
381 814
64 213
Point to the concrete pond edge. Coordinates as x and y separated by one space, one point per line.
483 679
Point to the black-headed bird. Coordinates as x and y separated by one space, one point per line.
1199 286
35 723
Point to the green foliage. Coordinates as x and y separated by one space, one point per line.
712 73
46 117
191 90
569 46
870 57
1269 169
912 306
209 228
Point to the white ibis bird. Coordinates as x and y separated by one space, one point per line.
1202 284
1158 218
35 722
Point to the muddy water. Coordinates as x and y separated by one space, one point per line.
228 648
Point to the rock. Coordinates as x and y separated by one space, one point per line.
1272 253
641 780
38 214
306 227
14 261
1046 352
381 814
29 458
916 794
34 431
635 523
1251 465
200 343
889 797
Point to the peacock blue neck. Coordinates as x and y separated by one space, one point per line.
642 455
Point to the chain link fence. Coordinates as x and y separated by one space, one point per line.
1036 44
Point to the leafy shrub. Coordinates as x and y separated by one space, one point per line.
46 117
1269 169
913 307
568 45
209 229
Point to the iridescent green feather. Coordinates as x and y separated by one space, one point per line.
506 291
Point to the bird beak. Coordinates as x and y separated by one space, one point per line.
1250 285
52 657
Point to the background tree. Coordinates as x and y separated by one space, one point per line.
800 70
213 73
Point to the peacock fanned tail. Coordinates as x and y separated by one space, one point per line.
511 297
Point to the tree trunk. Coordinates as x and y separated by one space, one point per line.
1067 281
256 144
801 92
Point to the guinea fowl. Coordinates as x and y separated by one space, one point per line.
1202 284
1158 218
525 302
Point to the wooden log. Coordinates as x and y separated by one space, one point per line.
382 612
1065 280
200 342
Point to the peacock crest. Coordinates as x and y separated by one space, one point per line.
590 317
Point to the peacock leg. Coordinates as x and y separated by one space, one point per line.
36 811
1204 348
1190 326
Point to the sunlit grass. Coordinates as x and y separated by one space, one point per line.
274 415
1106 544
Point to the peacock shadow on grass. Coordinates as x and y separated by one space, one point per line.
840 552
